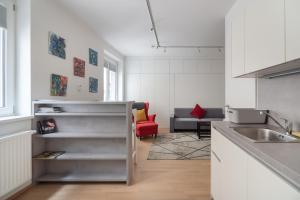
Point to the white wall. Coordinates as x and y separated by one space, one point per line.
239 92
170 82
48 15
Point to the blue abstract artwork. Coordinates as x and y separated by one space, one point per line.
93 57
59 85
93 85
57 45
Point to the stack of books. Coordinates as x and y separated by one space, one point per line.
50 109
47 155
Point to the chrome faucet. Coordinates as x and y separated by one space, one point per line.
288 126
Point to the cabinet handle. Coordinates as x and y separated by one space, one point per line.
217 157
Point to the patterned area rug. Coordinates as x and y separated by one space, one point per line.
180 146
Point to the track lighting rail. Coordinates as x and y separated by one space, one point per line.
173 46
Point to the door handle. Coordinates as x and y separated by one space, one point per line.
217 157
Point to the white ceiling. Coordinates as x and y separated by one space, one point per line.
125 24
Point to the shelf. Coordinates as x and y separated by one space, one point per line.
95 137
55 102
83 135
87 156
82 178
75 114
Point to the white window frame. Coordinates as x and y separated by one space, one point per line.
110 60
9 71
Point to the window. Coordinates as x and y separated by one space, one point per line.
110 79
6 57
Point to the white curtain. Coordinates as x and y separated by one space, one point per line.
3 17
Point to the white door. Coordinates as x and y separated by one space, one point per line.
292 29
264 34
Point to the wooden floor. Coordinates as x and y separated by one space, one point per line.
154 180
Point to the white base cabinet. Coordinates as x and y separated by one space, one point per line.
215 176
235 175
265 184
228 175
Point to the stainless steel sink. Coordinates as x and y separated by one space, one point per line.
264 135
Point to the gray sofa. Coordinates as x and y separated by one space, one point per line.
182 119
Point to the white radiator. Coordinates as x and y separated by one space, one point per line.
15 162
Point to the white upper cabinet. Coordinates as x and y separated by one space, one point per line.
238 38
264 34
292 29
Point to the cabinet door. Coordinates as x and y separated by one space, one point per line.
264 184
264 34
216 177
216 140
228 169
292 29
238 39
234 165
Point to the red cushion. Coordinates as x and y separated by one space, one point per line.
198 112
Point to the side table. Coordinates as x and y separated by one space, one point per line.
203 129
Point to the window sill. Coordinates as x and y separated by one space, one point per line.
11 119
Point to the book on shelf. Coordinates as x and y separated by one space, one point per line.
50 110
47 126
47 155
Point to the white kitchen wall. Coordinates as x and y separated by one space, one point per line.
173 82
49 15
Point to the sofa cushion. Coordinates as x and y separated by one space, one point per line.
210 119
183 112
187 119
197 120
198 112
214 113
210 113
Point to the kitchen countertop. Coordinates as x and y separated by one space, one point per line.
282 158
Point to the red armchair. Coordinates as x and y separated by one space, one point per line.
149 127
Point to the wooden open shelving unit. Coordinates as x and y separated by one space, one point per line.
96 137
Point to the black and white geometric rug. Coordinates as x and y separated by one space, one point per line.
180 146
